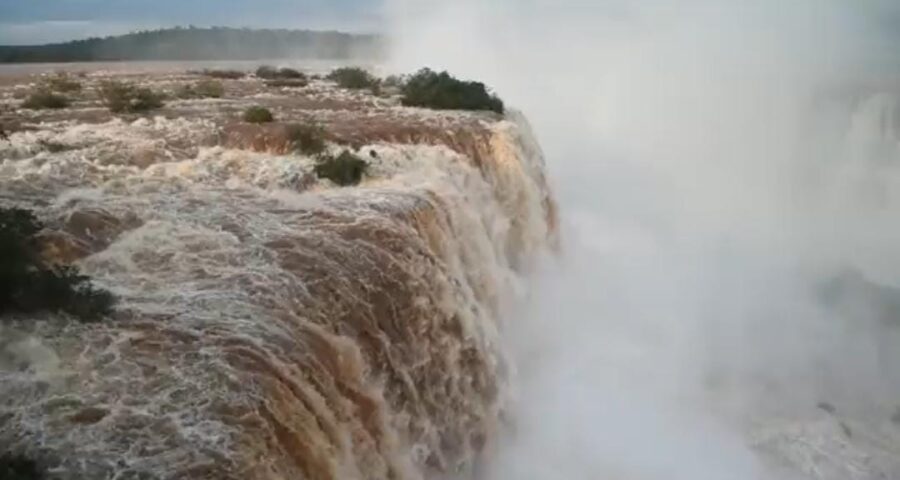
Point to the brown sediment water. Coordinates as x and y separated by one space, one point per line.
270 325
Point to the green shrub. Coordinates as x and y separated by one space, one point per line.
45 99
267 72
224 74
354 78
443 92
126 98
290 74
18 223
203 89
346 169
18 467
394 81
62 83
306 139
29 286
258 115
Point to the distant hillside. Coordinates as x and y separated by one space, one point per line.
217 43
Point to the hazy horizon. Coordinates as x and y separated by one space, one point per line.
37 23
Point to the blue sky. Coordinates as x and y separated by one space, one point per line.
41 21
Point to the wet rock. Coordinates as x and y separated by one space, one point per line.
60 248
145 157
83 233
302 182
89 416
99 228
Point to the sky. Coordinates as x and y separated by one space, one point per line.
43 21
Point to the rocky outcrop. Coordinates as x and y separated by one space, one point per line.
82 233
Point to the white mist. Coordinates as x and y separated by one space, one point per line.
714 163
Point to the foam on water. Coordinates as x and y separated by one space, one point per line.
272 326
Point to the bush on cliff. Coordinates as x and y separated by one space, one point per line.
203 89
29 286
127 98
224 74
306 139
43 98
345 169
18 467
61 82
392 85
271 73
354 78
441 91
258 115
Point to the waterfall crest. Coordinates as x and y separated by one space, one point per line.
268 328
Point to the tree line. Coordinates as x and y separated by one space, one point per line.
191 43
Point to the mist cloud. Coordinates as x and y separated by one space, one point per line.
716 163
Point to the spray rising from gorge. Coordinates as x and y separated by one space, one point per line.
725 302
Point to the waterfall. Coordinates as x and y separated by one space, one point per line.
268 329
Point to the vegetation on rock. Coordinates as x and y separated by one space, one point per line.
394 81
345 169
306 139
127 98
62 83
43 98
18 467
441 91
29 286
267 72
224 74
354 78
203 89
258 115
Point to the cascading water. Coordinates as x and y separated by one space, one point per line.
264 332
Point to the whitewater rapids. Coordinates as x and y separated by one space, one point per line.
270 326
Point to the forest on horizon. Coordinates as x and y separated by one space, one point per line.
192 43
